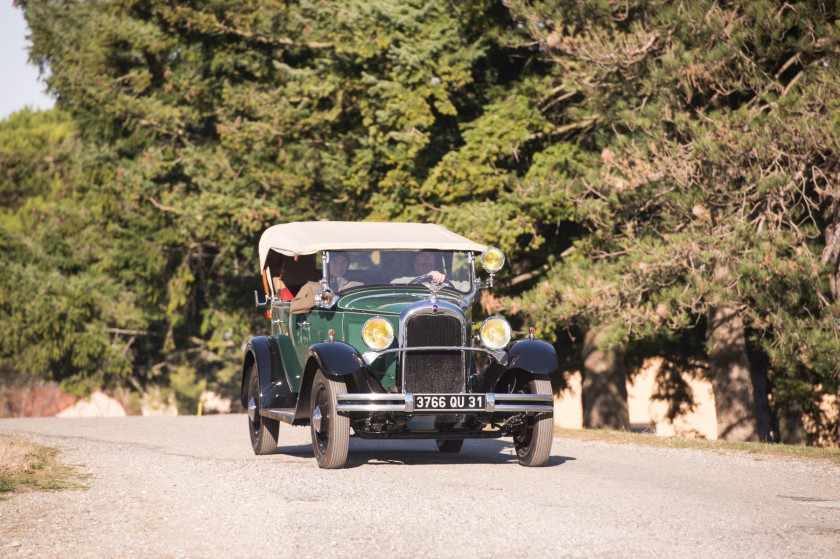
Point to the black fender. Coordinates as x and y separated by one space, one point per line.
336 359
526 359
274 387
535 356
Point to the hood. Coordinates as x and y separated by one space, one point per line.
392 302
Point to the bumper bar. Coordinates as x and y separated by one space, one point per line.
404 402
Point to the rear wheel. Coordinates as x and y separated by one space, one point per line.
263 430
449 445
533 442
330 430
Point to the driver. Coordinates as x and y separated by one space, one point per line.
424 265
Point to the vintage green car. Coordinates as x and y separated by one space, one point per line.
371 329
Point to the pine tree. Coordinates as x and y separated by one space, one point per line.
714 127
202 124
665 172
58 319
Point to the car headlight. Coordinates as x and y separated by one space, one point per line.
325 298
492 259
494 332
377 333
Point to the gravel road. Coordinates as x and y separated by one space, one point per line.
191 487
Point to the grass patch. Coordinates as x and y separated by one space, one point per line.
647 439
26 466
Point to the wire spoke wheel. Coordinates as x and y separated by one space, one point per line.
330 430
533 441
263 430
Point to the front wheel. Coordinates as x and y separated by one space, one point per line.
330 430
533 442
263 430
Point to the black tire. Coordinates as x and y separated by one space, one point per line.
330 430
533 444
263 430
450 445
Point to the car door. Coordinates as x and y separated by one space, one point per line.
301 334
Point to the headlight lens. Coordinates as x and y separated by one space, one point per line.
492 259
495 332
377 333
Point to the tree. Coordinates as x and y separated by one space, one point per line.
201 124
715 136
57 314
604 388
662 172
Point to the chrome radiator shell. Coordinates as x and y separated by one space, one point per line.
438 324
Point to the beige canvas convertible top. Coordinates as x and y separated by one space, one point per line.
308 237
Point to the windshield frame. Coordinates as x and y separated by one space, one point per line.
447 287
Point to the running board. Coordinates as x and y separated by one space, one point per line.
286 415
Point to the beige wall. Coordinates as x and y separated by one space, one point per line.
645 413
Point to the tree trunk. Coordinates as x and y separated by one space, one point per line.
831 252
761 400
729 369
604 385
791 425
730 375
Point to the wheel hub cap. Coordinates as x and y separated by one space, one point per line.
316 419
252 410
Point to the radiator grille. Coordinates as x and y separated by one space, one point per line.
433 371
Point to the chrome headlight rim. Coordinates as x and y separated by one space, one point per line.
484 257
325 298
389 328
508 332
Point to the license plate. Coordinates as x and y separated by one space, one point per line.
448 402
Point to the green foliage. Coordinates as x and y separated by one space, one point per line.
620 153
33 163
201 124
716 144
187 386
58 317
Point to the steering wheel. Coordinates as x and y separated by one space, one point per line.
428 279
421 279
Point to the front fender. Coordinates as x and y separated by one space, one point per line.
275 391
336 359
526 359
535 356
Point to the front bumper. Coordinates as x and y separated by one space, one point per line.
403 402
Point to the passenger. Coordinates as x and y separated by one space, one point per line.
338 266
285 293
280 288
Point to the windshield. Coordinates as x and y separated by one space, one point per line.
372 268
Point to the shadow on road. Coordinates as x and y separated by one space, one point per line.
423 452
295 450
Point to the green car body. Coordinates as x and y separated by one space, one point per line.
332 362
346 320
